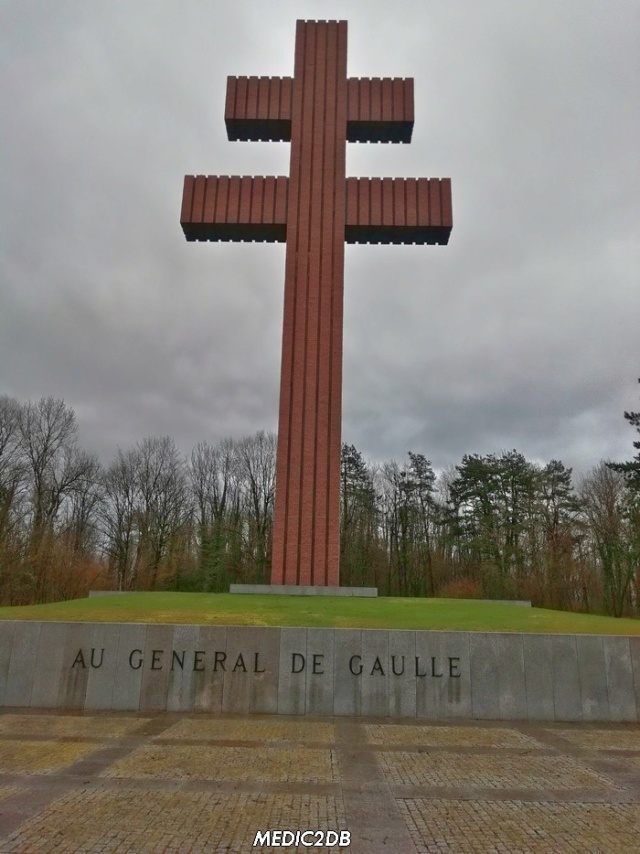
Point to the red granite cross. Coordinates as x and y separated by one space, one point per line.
315 210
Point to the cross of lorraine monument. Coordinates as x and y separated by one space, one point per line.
315 210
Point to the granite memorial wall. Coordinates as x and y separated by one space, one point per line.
297 671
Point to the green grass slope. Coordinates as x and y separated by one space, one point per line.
225 609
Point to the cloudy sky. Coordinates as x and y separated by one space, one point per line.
522 333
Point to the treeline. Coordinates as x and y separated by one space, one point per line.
494 526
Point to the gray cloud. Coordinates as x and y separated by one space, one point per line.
521 333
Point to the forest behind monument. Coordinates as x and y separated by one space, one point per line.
492 526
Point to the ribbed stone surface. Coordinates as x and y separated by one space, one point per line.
315 210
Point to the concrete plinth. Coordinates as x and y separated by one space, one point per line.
421 674
303 590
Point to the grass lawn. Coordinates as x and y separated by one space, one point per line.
226 609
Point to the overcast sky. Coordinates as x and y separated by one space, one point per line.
522 333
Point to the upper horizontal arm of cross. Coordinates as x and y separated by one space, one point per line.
378 109
258 108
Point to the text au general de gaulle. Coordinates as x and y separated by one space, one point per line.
314 663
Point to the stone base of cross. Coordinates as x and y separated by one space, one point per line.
315 211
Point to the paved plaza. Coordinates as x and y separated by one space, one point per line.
118 782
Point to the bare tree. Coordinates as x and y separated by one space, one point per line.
358 519
119 517
55 467
212 478
82 505
48 442
612 517
12 499
164 507
215 487
12 466
257 469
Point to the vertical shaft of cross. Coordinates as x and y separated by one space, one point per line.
315 210
306 537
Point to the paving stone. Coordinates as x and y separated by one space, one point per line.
64 726
21 756
602 739
272 730
202 822
373 817
449 736
105 782
536 828
9 791
490 771
189 761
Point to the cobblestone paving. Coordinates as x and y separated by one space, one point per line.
164 761
449 736
463 826
40 757
259 730
170 821
73 725
494 772
603 739
96 783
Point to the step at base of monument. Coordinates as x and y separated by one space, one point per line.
303 590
